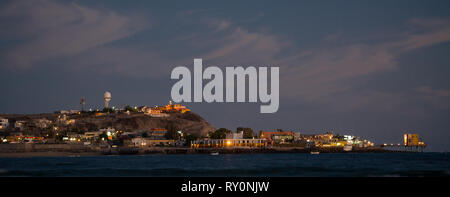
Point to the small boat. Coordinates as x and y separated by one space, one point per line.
215 153
315 152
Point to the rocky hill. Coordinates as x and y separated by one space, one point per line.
188 122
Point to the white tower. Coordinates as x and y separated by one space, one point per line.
107 97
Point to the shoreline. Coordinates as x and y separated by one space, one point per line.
187 151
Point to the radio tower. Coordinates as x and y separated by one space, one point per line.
82 103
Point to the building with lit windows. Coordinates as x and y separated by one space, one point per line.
277 137
223 143
175 107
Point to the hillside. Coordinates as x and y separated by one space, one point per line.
188 122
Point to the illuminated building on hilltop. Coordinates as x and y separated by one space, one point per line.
155 112
175 107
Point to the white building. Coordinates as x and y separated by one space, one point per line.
139 141
109 131
91 135
42 123
3 123
19 124
72 111
238 135
155 113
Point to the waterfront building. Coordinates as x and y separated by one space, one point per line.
413 140
223 143
146 142
159 142
277 137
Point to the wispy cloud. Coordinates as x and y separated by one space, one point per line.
123 61
426 32
83 35
49 29
329 73
426 90
436 98
326 70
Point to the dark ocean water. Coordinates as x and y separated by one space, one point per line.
261 165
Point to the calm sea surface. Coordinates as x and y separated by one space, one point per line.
391 164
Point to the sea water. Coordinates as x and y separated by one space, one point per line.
231 165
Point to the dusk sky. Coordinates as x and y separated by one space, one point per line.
375 69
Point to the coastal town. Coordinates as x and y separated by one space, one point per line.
170 128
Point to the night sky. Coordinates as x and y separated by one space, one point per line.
375 69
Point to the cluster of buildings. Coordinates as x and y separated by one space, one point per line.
20 125
109 135
156 111
16 136
285 138
152 137
410 141
145 138
162 111
327 139
157 136
55 129
31 130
